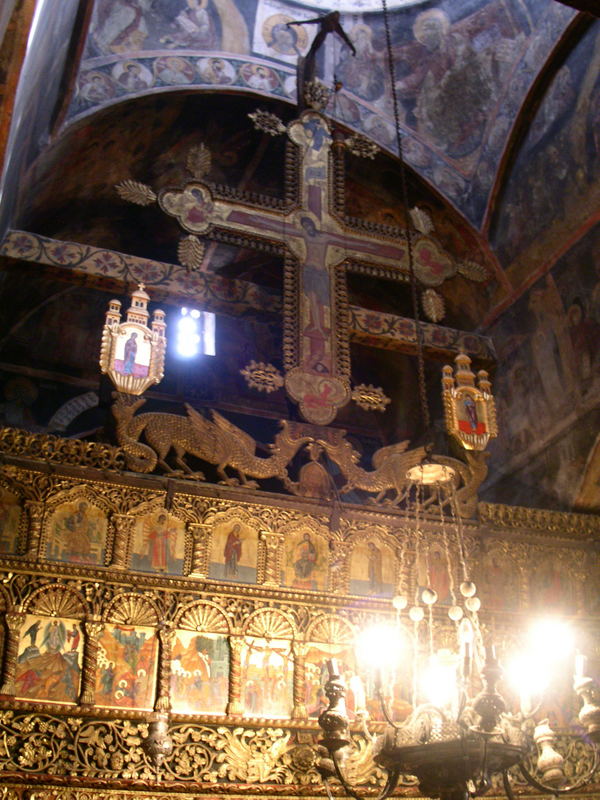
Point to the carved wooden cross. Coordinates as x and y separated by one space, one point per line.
320 247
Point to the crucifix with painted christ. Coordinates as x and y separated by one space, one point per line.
319 246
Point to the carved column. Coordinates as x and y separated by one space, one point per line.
525 563
234 706
269 561
200 534
93 630
35 514
338 569
299 651
122 527
166 636
14 621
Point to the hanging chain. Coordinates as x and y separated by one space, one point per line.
407 226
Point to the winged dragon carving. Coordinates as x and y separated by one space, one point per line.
215 441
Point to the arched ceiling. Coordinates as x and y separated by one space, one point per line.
483 88
463 69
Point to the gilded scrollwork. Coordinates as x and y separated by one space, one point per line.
35 516
93 629
14 620
119 540
269 558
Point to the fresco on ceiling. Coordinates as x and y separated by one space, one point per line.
548 386
199 673
234 552
77 533
267 678
554 183
49 659
372 569
126 673
10 516
461 77
158 543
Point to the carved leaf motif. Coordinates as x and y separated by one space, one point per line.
56 601
199 161
135 192
269 624
331 629
190 252
421 220
205 618
473 271
132 609
433 305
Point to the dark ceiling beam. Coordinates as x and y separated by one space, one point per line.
589 6
109 269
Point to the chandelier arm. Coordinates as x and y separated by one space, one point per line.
507 787
385 711
393 777
566 789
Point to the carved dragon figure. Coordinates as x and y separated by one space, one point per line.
218 442
471 475
391 465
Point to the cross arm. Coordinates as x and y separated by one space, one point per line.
390 332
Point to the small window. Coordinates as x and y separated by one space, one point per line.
195 333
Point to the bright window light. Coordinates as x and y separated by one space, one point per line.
195 333
380 646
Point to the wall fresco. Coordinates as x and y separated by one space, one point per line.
126 672
234 552
497 580
158 543
553 183
199 673
547 391
49 659
372 569
460 78
305 561
77 533
267 678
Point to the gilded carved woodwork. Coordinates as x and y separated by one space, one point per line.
120 529
54 449
93 629
132 353
82 740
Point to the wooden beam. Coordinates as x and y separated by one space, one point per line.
117 271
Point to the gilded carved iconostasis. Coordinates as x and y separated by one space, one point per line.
187 542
